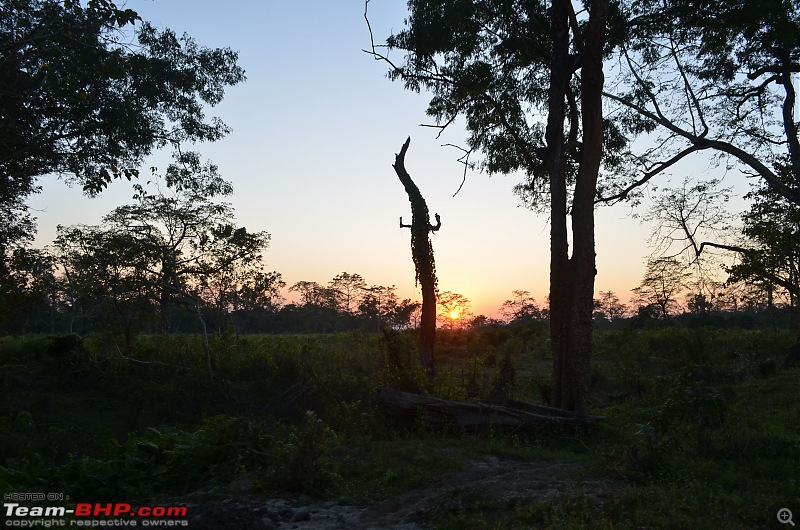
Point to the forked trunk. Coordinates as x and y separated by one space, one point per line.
572 279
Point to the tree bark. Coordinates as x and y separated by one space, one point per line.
560 284
422 254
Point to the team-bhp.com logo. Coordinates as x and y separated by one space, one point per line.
87 514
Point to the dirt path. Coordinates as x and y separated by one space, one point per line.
489 479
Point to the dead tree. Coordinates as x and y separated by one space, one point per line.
422 254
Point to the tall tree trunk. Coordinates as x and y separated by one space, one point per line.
422 254
560 285
572 279
584 267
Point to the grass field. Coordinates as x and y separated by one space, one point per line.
702 426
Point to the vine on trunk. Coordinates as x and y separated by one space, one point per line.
422 254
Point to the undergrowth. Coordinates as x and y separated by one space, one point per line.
702 427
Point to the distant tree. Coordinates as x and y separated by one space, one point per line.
78 98
610 306
521 308
348 288
166 245
380 305
698 304
259 291
663 282
402 314
377 303
482 321
314 294
106 279
31 290
240 287
309 292
705 296
455 308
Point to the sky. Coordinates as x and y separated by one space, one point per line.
315 130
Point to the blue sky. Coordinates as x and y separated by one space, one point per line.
315 130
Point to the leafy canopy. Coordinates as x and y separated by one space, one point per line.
88 90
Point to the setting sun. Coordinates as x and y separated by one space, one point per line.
454 314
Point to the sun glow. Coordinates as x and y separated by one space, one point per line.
454 314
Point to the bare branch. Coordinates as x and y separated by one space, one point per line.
463 159
659 168
688 86
699 143
573 22
441 127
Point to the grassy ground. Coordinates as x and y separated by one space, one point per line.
702 428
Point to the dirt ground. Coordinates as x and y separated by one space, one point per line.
490 478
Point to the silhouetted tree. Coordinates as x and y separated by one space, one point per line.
348 289
380 305
521 308
610 306
714 77
456 307
422 254
78 99
32 290
663 282
240 287
504 66
106 279
164 247
310 292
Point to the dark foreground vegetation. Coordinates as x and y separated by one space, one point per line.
702 425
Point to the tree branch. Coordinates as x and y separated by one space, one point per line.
700 143
464 159
649 175
690 91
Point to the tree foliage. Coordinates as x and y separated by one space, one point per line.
88 90
771 253
664 280
455 308
715 77
167 248
521 308
610 307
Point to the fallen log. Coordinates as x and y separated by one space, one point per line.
457 414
